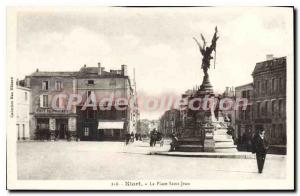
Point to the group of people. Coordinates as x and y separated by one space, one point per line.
130 137
156 136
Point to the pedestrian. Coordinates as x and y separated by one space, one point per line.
127 138
260 147
174 142
153 137
132 137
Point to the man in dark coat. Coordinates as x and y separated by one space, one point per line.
174 142
260 147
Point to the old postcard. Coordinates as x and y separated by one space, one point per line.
150 98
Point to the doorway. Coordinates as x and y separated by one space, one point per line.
62 128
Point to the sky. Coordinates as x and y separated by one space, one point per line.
156 42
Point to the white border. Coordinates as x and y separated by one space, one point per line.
95 184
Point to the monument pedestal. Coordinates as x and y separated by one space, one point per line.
209 142
203 133
206 87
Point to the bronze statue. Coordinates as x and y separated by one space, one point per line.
207 51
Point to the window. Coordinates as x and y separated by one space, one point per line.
258 109
280 106
23 132
273 131
273 107
244 94
258 87
266 108
88 96
90 82
26 96
44 101
273 85
60 102
247 113
90 113
88 93
58 85
45 85
86 131
266 86
248 94
280 84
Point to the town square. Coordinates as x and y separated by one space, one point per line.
149 98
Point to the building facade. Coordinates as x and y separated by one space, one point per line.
23 117
91 104
170 122
49 122
112 119
269 99
243 123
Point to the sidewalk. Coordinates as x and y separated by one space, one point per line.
236 155
139 147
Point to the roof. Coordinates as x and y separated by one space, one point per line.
244 85
83 72
270 64
23 88
54 73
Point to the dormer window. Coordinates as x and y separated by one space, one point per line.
90 82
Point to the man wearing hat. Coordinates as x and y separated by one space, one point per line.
260 147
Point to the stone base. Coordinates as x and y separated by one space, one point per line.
223 142
189 145
209 142
206 87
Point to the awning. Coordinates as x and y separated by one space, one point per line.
110 125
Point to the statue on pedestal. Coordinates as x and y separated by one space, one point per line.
207 51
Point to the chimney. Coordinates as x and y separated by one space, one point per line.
99 69
27 82
84 65
227 90
269 57
37 70
124 70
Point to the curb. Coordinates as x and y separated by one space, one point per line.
215 155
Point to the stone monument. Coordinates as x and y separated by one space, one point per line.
203 131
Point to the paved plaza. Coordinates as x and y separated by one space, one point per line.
64 160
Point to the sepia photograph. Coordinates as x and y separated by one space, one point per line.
150 98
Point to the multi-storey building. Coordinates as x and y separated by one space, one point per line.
91 104
113 118
170 122
23 117
269 99
49 122
228 115
243 124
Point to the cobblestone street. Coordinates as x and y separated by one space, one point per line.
114 161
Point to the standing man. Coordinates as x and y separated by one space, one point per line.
260 147
174 142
